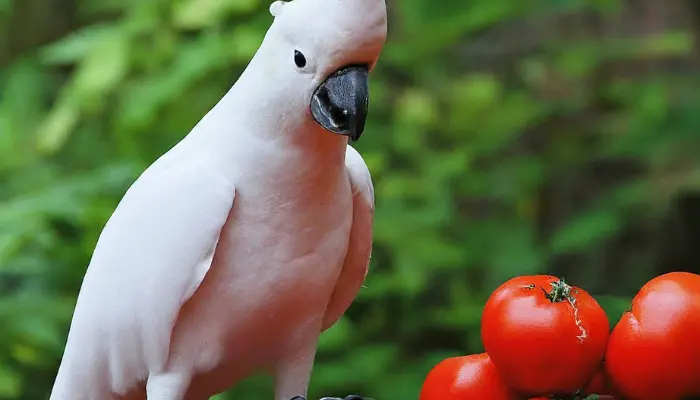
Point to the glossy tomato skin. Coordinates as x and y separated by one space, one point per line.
542 346
654 350
465 378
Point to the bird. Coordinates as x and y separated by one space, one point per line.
235 249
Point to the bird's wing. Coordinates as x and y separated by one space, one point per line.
151 257
357 258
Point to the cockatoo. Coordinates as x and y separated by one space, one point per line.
234 250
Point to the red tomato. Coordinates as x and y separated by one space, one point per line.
654 351
544 336
465 378
602 397
599 383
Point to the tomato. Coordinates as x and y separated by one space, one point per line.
544 336
599 383
597 386
601 397
654 350
465 378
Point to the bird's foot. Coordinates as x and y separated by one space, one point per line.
351 397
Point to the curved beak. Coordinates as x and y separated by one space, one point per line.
340 103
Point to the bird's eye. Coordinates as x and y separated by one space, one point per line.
299 59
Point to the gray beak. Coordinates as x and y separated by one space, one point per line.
340 103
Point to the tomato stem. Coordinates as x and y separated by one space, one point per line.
561 291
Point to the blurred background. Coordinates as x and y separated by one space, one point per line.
505 138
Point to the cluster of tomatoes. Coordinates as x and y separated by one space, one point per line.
545 339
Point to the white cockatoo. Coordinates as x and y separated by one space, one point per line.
234 250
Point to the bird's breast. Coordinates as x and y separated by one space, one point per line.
289 238
275 267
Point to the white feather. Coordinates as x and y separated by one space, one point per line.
359 252
152 255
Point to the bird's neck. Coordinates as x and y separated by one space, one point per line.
249 125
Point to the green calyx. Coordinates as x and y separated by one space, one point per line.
561 291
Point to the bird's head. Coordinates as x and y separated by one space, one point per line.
320 52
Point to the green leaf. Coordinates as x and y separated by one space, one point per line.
10 383
56 129
584 231
102 68
75 46
196 14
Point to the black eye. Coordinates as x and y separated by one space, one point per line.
299 59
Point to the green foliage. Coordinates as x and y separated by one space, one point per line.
501 143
